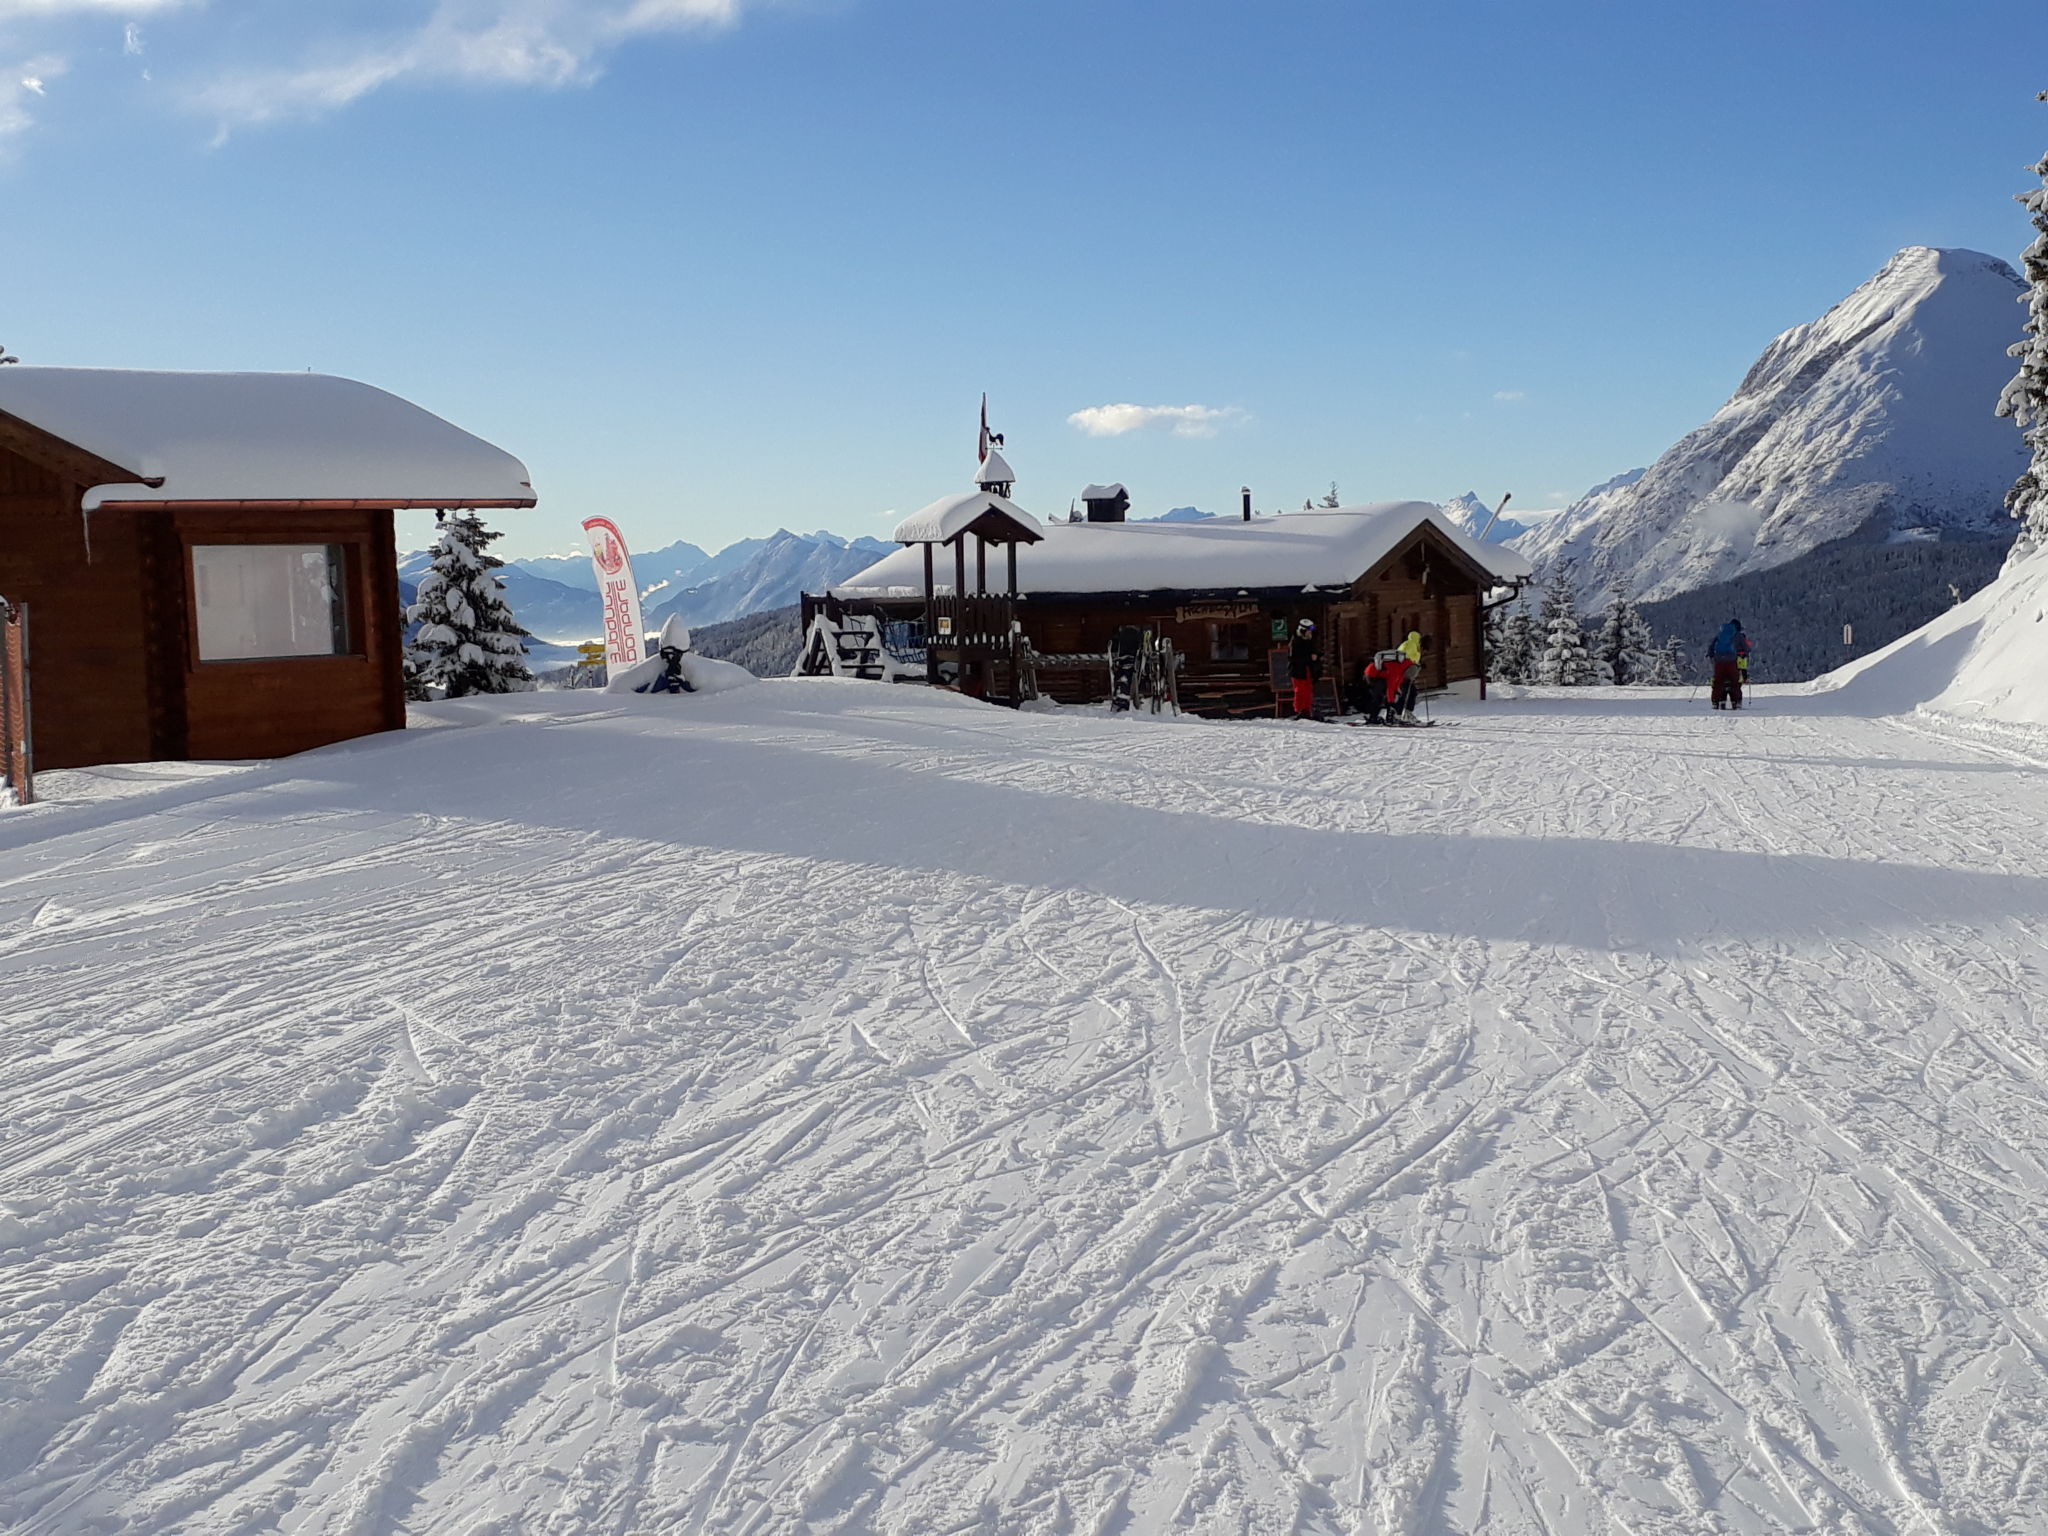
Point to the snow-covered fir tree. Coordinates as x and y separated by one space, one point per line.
2026 398
1621 640
1667 667
467 641
1510 644
1562 660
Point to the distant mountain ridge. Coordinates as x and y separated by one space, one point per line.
774 573
555 596
1473 515
1876 419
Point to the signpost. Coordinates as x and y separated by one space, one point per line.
615 587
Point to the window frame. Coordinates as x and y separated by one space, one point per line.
345 566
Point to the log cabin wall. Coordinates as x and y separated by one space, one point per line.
96 692
113 655
274 706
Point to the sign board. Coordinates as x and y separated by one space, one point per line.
590 653
1197 612
945 624
615 588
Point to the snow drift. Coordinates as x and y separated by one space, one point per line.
1985 661
1878 413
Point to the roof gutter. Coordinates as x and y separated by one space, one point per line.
358 504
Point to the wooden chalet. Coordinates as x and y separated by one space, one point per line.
207 560
1226 592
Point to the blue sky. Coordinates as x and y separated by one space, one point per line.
716 266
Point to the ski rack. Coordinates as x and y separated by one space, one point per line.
17 758
1154 680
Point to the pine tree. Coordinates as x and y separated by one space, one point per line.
1330 499
467 641
1562 661
2026 398
1621 644
1667 669
1509 637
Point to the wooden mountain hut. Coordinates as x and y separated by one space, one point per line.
1228 594
208 559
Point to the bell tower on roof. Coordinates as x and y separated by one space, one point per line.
995 475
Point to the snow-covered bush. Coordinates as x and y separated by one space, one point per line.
2026 398
1667 667
467 641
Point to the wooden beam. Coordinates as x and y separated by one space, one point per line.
931 659
80 465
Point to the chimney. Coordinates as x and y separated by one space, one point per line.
1106 503
1247 491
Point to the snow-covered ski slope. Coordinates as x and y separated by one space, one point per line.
827 1107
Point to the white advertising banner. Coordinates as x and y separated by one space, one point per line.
622 640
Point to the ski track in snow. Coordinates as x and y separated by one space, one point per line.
832 1108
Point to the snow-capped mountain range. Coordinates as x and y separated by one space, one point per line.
777 571
1876 418
1474 515
555 596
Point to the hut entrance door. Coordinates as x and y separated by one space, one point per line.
1353 624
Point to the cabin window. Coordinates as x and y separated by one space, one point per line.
1230 642
257 601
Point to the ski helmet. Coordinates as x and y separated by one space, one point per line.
1306 627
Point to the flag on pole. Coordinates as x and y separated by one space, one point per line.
622 637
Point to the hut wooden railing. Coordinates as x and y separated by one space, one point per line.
971 628
17 764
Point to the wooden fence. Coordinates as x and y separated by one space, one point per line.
16 761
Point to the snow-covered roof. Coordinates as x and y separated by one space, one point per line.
1318 548
262 437
1108 492
995 470
949 514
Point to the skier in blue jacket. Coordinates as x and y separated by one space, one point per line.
1729 650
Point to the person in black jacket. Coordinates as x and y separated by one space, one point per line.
1303 668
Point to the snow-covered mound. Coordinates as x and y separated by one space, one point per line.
1880 411
1985 660
706 674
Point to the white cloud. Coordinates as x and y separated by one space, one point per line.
1510 396
18 84
20 10
542 43
1181 420
131 40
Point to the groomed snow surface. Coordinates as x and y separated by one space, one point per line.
829 1107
